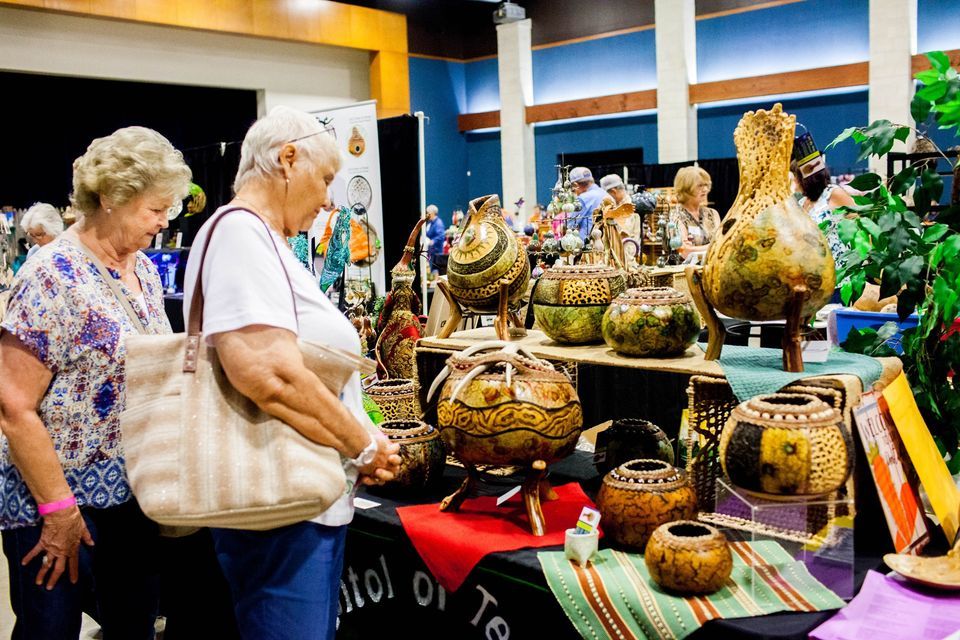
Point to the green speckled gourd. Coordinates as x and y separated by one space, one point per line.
651 322
768 247
569 301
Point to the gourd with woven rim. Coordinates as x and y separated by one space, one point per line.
786 445
487 270
769 261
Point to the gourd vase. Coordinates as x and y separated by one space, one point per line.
399 325
769 260
628 439
487 270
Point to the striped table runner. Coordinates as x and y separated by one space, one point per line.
615 597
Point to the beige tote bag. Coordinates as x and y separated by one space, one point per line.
199 453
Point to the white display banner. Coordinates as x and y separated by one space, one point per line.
358 182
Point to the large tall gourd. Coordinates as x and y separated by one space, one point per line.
770 261
487 271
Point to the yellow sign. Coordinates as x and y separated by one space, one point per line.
933 472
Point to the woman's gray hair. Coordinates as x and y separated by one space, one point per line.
260 153
124 165
45 216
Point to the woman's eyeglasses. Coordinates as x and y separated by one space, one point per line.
326 129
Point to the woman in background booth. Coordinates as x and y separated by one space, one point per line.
43 224
285 582
70 523
696 224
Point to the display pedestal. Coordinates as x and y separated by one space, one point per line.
817 532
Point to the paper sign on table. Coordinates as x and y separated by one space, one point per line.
923 452
888 609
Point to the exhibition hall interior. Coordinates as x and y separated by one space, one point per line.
631 319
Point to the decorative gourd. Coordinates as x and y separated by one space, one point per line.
769 261
569 301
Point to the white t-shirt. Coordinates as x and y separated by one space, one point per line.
244 284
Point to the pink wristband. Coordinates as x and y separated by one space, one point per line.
50 507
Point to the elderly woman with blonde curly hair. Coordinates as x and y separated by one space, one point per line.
695 224
64 497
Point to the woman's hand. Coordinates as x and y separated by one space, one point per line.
386 463
60 539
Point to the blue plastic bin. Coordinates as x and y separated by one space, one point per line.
846 318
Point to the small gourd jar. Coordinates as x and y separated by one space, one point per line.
422 455
569 301
688 558
396 397
786 446
651 322
639 496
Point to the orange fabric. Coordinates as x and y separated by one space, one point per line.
359 243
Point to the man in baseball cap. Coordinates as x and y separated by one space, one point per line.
590 196
613 184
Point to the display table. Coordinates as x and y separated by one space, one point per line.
386 589
610 385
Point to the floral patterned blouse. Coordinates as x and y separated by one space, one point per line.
65 314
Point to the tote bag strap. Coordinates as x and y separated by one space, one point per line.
111 282
195 321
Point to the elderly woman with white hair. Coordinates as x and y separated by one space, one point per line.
258 300
43 224
64 500
436 233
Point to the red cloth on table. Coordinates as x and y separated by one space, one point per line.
451 543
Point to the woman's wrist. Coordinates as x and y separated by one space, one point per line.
47 508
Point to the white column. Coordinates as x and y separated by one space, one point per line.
676 38
517 152
893 41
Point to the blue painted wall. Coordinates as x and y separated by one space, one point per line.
595 68
803 35
483 164
590 135
482 85
437 88
824 117
938 25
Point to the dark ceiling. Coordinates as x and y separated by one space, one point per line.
464 29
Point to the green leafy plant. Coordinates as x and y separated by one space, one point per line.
910 252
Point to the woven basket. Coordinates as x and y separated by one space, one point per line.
710 402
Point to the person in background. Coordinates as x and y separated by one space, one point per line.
536 216
590 196
285 582
436 233
43 224
70 522
630 225
696 224
820 198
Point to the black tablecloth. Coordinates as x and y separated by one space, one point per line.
387 590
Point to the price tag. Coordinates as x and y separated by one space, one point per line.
815 350
179 239
588 520
158 241
363 503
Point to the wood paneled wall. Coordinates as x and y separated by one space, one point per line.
383 33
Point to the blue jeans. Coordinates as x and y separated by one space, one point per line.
285 582
120 570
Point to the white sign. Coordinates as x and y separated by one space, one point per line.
358 182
